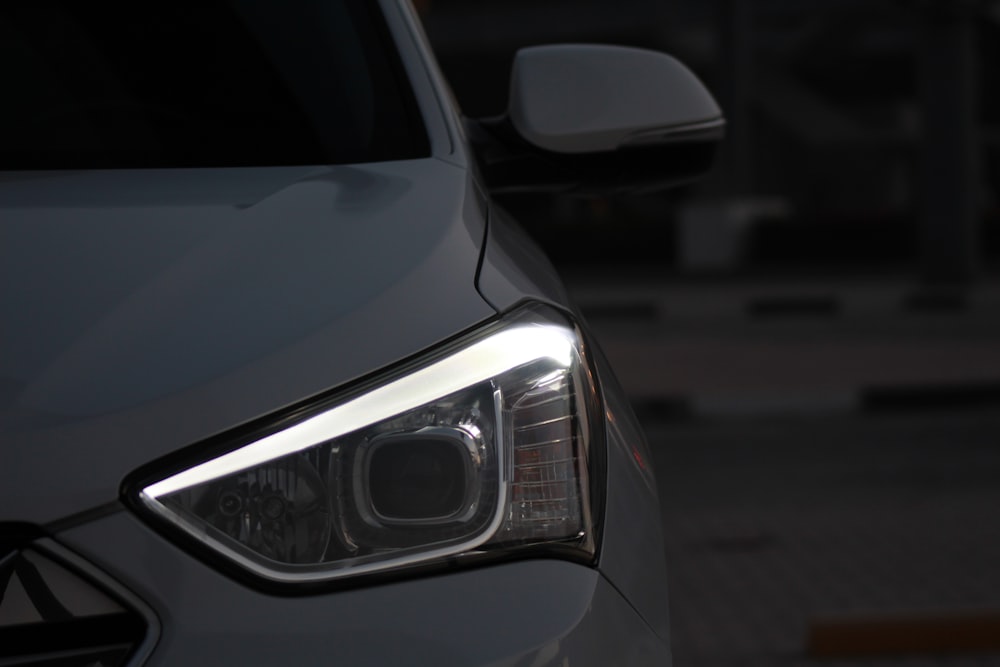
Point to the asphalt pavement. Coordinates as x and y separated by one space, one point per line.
753 345
828 454
778 527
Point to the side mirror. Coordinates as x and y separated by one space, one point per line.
596 117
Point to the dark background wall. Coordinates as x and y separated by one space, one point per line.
864 135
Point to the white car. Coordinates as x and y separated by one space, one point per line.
279 382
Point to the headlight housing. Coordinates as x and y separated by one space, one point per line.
491 446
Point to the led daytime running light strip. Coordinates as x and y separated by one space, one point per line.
481 361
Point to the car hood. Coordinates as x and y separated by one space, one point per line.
144 311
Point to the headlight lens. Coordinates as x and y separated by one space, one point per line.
488 447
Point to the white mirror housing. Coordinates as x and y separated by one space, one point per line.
586 98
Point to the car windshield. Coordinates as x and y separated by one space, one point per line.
205 83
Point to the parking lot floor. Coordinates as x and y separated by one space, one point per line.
775 526
828 455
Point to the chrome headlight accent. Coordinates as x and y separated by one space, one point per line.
484 448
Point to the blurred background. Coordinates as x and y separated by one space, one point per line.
811 335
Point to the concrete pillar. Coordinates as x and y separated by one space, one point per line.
736 30
951 208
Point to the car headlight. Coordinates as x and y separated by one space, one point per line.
488 447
